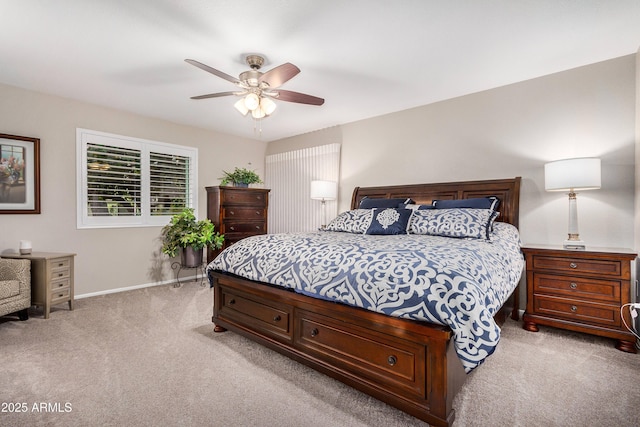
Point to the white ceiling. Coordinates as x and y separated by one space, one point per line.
364 57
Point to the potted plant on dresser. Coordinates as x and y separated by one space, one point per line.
240 177
184 232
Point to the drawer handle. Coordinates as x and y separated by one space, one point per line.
574 308
232 301
573 265
61 264
257 227
232 213
392 360
258 213
314 332
232 228
573 285
60 274
60 295
277 318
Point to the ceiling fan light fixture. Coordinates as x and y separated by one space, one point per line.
268 106
258 113
251 101
242 109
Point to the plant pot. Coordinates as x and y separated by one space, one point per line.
240 184
191 258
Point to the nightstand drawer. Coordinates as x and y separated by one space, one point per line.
577 288
576 310
57 285
578 265
61 295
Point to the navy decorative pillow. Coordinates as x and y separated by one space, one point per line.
389 221
379 202
420 207
458 222
354 221
490 202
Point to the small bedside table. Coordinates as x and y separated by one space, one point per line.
579 290
51 278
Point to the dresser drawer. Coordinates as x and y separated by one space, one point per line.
270 318
577 310
577 288
578 265
244 213
393 365
243 197
243 227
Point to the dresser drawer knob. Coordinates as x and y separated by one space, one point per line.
277 318
232 213
392 360
573 285
574 308
60 274
258 213
257 227
232 301
573 265
232 228
314 332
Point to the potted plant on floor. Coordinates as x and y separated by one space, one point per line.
240 177
191 236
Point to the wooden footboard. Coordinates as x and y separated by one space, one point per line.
409 365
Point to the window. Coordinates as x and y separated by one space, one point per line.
130 182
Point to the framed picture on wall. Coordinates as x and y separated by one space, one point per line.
19 174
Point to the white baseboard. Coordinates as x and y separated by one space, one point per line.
131 288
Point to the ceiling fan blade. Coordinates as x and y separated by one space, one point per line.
276 77
300 98
215 95
213 71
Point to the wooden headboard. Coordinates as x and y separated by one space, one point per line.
507 190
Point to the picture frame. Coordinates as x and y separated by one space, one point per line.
19 174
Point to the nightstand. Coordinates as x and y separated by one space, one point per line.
51 278
579 290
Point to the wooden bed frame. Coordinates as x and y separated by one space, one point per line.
407 364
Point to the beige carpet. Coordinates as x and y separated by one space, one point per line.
150 358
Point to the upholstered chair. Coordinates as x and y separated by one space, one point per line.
15 287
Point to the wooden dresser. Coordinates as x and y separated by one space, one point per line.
580 290
237 213
51 278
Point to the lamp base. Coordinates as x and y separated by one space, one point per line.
574 245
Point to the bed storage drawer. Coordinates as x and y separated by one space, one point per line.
268 317
385 360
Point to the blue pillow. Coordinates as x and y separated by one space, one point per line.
389 221
490 202
379 202
417 207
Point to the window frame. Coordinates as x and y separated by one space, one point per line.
145 219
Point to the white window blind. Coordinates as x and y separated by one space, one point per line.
127 182
289 177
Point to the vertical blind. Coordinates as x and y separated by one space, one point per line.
289 177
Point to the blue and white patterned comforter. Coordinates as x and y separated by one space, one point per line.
460 283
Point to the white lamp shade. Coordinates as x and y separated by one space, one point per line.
251 101
241 107
324 190
268 106
572 174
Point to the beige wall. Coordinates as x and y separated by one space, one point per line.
106 258
505 132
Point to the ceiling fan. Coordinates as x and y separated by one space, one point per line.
257 88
